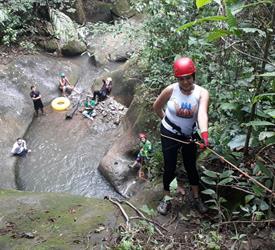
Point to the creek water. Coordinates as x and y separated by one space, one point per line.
66 153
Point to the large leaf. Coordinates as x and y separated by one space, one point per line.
209 191
267 74
208 180
266 134
270 112
229 106
231 20
237 142
225 181
216 34
253 30
262 96
248 198
211 173
226 174
264 206
201 3
202 20
259 123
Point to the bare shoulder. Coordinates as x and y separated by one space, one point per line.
168 90
203 91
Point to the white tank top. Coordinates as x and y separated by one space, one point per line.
182 110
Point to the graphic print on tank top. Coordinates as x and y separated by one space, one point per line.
185 109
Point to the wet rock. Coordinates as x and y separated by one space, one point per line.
117 121
73 48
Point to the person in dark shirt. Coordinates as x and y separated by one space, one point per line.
105 90
37 102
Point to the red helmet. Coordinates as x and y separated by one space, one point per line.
183 66
142 135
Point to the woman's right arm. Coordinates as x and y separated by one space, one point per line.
161 100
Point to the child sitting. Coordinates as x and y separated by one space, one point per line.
89 108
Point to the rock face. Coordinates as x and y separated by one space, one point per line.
53 221
16 106
114 165
67 34
98 10
122 8
107 47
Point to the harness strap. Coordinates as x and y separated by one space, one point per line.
173 125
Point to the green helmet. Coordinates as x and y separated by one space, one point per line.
62 74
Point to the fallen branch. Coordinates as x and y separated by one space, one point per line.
121 209
141 215
149 220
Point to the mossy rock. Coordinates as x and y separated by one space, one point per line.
122 8
49 45
98 11
52 221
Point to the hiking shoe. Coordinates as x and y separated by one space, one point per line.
199 206
164 207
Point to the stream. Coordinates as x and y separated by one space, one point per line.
66 153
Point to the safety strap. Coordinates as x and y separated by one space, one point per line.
173 125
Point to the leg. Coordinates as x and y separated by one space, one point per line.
96 94
170 152
36 112
189 153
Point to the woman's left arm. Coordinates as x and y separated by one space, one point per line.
203 111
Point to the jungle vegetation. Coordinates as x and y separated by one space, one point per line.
233 45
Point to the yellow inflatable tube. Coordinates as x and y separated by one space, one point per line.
60 103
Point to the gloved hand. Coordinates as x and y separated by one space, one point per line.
204 136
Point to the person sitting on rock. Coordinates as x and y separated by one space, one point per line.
65 86
20 148
89 108
105 90
143 155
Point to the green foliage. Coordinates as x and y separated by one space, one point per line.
208 240
17 17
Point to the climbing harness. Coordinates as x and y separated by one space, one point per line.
222 158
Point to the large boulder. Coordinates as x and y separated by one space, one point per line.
66 33
122 8
117 48
98 10
73 48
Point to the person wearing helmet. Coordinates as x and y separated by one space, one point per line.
65 86
105 90
143 155
186 106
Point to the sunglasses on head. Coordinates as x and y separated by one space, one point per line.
188 77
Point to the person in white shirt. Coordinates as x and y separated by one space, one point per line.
20 148
182 106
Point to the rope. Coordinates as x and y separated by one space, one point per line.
228 162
